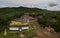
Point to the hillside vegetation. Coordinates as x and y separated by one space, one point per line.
45 17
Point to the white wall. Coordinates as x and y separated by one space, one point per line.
25 28
13 28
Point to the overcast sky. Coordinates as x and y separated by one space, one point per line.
44 4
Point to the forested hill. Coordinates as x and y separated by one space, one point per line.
49 18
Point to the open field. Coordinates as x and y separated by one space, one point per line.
9 35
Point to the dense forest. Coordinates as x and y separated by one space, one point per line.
45 17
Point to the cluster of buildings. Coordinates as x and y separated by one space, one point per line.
20 24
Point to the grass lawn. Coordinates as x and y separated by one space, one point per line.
9 35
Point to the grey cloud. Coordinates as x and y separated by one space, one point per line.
52 4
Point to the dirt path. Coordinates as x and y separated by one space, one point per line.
40 33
